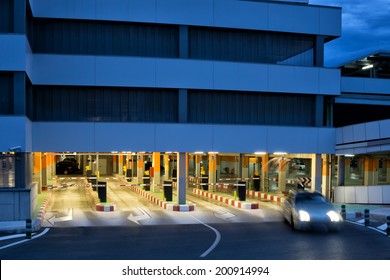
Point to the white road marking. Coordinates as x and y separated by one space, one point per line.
216 241
136 219
25 240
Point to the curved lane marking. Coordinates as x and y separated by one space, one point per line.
216 241
25 240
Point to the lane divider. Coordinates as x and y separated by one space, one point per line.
162 203
267 196
98 206
229 201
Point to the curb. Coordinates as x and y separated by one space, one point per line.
267 196
164 204
41 213
232 202
99 207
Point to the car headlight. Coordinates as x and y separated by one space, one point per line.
334 216
303 216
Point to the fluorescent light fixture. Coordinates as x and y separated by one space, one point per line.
260 153
114 152
349 155
280 153
213 152
367 67
199 153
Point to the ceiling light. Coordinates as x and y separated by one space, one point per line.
367 67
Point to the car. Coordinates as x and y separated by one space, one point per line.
67 166
305 210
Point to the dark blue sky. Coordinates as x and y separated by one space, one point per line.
365 29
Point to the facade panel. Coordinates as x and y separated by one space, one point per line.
224 107
103 104
217 13
51 36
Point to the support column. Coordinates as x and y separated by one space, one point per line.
245 167
166 166
371 171
97 172
183 105
181 178
319 51
114 163
218 169
264 173
341 171
282 175
316 172
347 169
197 165
45 161
121 170
319 113
20 17
212 170
326 176
157 171
37 171
140 167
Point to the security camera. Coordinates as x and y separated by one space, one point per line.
15 149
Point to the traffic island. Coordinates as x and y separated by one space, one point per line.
101 207
227 200
163 204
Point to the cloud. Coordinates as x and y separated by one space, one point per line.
365 29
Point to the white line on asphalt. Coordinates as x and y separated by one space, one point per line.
25 240
216 241
370 227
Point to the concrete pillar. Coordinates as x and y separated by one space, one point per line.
218 168
245 167
37 169
341 171
157 171
181 178
45 161
371 171
20 17
140 167
183 105
282 175
166 166
212 171
197 165
120 165
264 172
326 176
97 171
347 169
316 172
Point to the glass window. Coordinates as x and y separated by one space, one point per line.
7 171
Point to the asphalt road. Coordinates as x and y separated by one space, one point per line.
140 230
238 241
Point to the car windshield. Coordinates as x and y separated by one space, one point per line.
310 197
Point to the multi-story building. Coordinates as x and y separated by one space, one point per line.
241 81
